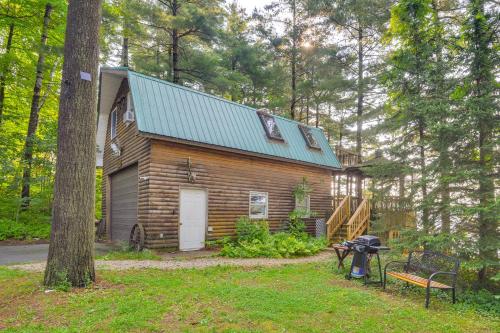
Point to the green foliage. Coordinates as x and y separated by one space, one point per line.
279 245
25 224
254 240
98 194
11 229
302 190
482 301
63 283
248 230
297 227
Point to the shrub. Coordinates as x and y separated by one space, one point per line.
248 230
254 240
11 229
482 301
19 224
297 227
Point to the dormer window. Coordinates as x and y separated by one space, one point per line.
270 126
308 136
114 118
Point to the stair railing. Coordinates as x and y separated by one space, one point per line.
339 216
359 221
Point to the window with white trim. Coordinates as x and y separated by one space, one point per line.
258 204
113 123
304 205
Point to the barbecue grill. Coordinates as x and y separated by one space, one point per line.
365 248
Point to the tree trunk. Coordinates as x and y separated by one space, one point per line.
175 48
125 51
294 61
401 187
317 115
482 72
329 119
444 161
359 113
359 123
2 73
444 166
71 250
307 110
423 174
35 110
341 129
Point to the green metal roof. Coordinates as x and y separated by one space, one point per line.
166 109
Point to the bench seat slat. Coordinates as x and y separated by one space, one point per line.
417 280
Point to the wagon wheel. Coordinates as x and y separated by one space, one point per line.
136 240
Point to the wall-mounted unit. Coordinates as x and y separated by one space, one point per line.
129 116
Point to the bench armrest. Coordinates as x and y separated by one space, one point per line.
394 262
453 274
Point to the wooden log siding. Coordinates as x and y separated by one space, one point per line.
229 178
134 149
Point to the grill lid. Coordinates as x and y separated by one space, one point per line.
368 240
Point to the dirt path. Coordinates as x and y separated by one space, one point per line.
172 263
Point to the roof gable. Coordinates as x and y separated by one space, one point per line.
172 111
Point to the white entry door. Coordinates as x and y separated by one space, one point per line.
192 219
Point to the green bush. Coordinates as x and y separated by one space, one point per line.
248 230
482 301
254 240
297 227
16 223
11 229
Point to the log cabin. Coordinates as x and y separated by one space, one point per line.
185 165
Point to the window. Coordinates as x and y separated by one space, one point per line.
309 137
258 205
269 123
304 205
113 123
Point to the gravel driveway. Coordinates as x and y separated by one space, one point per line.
17 254
172 263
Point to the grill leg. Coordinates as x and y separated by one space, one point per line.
366 263
453 295
379 269
427 296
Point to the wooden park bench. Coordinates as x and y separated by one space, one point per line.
423 268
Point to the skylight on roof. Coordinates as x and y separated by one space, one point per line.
308 136
269 123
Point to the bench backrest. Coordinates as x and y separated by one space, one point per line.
431 262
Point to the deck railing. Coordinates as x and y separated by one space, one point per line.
359 221
354 202
392 204
339 216
346 157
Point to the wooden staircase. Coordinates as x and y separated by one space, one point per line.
344 225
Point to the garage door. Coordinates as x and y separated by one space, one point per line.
123 203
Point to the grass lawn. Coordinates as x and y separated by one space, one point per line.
294 298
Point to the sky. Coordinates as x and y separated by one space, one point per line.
249 5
